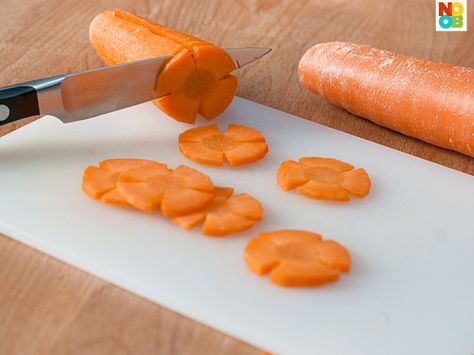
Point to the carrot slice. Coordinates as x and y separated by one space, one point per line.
176 192
323 178
225 214
296 258
196 79
238 145
99 182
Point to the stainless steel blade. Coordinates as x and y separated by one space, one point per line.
244 56
94 92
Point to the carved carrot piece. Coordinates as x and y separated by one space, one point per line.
323 178
428 100
100 182
296 258
176 192
238 145
226 214
196 80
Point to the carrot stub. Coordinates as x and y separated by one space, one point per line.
424 99
323 178
176 192
296 258
238 145
196 80
226 214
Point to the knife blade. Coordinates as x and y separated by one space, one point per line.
82 95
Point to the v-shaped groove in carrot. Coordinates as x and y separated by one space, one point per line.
296 258
323 178
238 145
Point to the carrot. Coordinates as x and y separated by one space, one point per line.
238 145
196 80
99 182
296 258
428 100
176 192
226 214
323 178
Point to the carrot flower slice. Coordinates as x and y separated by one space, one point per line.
226 214
176 192
100 182
296 258
238 145
323 178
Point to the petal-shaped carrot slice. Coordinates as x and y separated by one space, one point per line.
357 182
96 182
193 179
241 133
200 153
245 205
206 145
245 152
225 222
179 106
290 175
225 214
295 273
323 191
261 256
123 164
296 258
141 195
178 201
327 162
333 255
218 98
198 134
323 178
113 197
285 236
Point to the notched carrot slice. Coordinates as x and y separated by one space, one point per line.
296 258
238 145
100 182
323 178
226 214
177 192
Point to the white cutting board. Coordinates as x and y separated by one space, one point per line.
411 286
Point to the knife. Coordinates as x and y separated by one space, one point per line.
78 96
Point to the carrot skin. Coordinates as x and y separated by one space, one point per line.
424 99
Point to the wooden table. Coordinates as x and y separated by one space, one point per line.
47 307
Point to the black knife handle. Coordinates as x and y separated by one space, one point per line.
18 102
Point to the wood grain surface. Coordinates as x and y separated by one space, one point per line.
47 307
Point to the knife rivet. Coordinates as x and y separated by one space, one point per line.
4 112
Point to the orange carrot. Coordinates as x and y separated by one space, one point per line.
177 192
323 178
424 99
196 80
238 145
296 258
99 182
226 214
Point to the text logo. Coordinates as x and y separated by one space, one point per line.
451 15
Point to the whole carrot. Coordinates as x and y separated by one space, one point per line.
428 100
